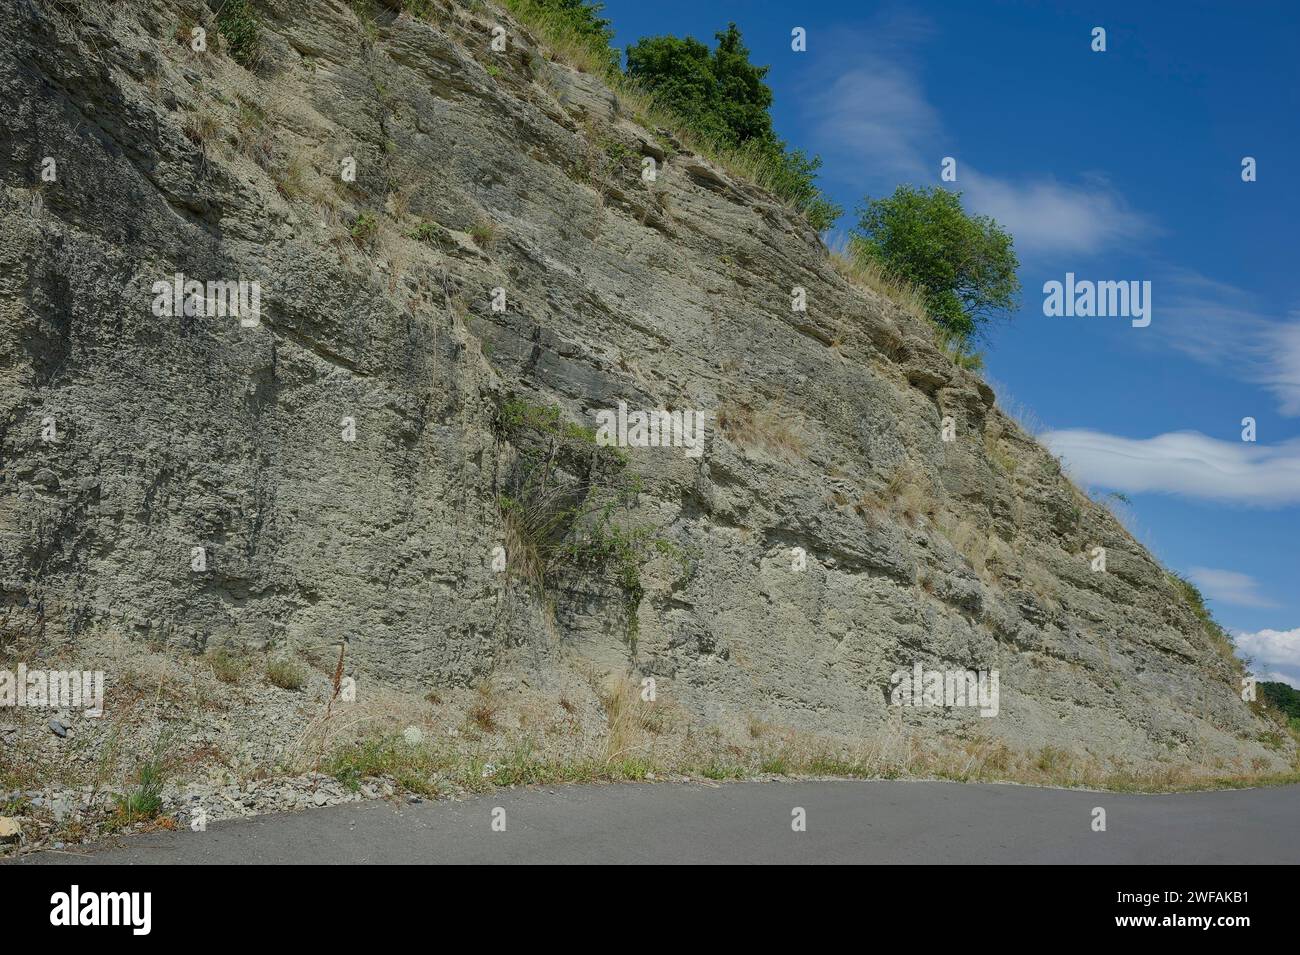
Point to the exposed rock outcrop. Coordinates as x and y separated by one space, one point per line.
131 438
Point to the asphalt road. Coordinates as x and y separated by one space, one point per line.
847 821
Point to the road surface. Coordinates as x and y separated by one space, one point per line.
846 821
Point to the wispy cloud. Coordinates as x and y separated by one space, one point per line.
1223 326
1047 216
1229 586
875 122
877 118
1183 462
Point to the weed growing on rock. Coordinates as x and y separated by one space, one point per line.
364 229
285 673
238 26
484 234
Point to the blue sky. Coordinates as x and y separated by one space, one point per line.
1121 165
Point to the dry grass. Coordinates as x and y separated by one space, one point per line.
291 179
484 234
252 134
994 448
869 274
634 722
771 428
524 558
908 492
201 128
286 673
484 709
594 726
227 665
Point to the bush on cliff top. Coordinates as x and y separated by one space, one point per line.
716 98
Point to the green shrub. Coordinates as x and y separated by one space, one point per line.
716 99
1281 696
238 27
363 230
722 97
964 265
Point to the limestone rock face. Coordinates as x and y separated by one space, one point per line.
337 469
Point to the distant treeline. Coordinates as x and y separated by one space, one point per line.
1285 698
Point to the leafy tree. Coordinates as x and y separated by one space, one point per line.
723 97
719 92
964 264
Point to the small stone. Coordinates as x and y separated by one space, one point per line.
11 831
57 728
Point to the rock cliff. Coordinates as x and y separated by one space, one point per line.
412 407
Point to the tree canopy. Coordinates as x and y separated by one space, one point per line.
963 264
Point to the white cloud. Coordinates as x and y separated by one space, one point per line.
1271 649
876 117
1046 216
876 122
1183 462
1229 586
1221 325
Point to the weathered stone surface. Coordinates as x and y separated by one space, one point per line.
11 831
196 432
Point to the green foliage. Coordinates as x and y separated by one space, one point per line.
719 93
792 174
1283 697
577 21
144 799
721 96
238 27
517 413
364 229
285 673
964 264
567 506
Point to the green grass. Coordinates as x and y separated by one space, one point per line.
285 673
484 234
144 800
516 413
1219 638
227 666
